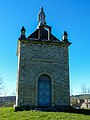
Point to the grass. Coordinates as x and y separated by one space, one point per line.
7 113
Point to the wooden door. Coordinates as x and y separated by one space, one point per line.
44 91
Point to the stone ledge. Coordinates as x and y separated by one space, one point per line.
47 109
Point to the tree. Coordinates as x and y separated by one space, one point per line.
1 85
14 93
88 90
83 87
3 88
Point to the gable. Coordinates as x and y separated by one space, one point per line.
44 35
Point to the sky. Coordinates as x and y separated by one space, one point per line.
70 15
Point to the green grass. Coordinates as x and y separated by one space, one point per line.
7 113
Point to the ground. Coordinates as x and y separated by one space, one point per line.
7 113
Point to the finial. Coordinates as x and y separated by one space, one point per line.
65 36
23 32
41 17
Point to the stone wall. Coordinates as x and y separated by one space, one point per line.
35 59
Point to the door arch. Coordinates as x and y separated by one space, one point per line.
44 91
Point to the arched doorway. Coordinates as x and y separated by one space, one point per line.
44 91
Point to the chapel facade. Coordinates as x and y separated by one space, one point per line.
43 69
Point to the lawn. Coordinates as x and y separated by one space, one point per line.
7 113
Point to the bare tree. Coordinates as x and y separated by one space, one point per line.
14 93
84 89
1 85
88 90
5 90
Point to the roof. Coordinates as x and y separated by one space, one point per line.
44 35
41 34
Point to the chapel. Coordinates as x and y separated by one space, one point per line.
43 69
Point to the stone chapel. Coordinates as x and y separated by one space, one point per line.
43 69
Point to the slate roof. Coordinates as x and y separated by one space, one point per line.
44 35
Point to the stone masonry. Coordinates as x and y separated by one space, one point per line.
38 57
